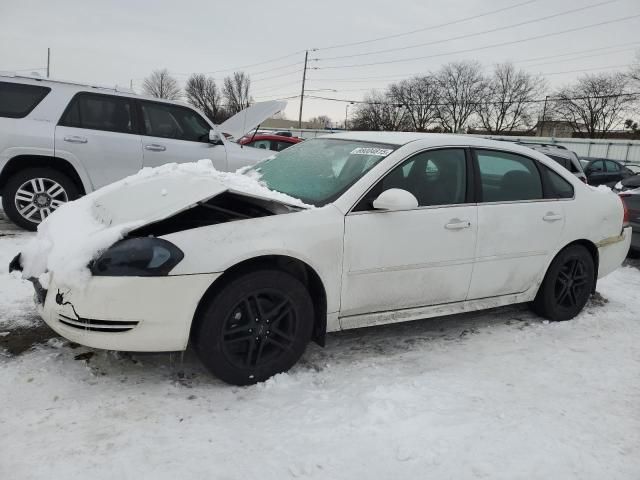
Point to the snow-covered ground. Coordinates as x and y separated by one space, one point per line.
499 394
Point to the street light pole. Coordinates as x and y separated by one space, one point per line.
346 115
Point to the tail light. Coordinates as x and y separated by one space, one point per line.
625 209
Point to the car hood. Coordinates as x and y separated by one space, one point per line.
165 191
248 119
75 234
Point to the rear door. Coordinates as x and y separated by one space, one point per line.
518 226
176 134
101 131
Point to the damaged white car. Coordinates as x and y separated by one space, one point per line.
338 232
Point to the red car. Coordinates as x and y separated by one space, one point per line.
270 142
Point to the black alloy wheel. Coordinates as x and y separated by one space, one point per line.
256 325
566 287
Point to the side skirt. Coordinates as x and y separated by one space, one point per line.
408 314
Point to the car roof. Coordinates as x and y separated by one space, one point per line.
428 140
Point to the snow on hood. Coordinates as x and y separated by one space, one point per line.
79 231
249 118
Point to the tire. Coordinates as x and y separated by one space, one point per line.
48 188
566 287
242 351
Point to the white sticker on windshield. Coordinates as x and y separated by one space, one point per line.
379 152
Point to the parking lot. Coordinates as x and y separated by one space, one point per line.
484 395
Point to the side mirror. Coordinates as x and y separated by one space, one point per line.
215 138
395 199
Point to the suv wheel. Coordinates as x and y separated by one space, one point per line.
31 195
257 325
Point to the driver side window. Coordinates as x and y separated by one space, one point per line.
434 177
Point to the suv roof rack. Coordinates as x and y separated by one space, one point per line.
38 78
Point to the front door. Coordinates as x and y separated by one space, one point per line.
519 226
101 132
177 134
417 257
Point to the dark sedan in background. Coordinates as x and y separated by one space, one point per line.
629 191
602 171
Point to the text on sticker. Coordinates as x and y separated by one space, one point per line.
380 152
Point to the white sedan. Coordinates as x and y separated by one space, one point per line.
352 230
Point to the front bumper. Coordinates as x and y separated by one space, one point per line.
142 314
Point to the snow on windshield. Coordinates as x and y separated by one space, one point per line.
79 231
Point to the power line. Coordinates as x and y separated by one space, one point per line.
540 100
475 49
431 27
399 77
469 35
242 67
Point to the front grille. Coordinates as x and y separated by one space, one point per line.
94 325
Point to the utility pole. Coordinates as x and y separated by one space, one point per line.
304 78
544 115
48 60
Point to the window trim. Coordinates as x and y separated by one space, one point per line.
470 194
143 127
135 124
547 195
44 90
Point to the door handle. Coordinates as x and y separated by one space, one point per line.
75 139
154 147
552 217
457 224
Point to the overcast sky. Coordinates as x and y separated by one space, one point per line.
118 41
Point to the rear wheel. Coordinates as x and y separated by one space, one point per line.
567 285
31 195
258 325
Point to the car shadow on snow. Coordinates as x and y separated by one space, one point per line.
342 348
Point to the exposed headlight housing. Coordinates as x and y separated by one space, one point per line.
137 257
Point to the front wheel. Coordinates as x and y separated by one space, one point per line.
31 195
257 325
567 285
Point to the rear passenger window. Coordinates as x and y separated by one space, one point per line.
561 160
612 167
558 187
506 177
100 112
173 121
18 100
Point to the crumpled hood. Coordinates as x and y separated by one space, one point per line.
79 231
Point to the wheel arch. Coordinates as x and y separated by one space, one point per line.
22 162
593 250
295 267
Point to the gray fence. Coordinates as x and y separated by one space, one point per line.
623 150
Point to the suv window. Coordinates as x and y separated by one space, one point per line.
173 121
435 177
506 177
558 187
100 112
612 166
18 100
561 160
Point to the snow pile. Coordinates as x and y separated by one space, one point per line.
79 231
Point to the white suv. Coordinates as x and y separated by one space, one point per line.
60 140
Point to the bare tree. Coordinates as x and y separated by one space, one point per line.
202 92
379 112
236 92
595 103
321 121
419 96
462 87
161 84
508 100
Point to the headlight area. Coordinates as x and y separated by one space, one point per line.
137 257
